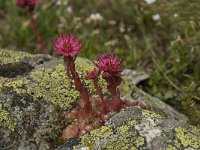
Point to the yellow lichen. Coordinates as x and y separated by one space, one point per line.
139 141
123 129
11 56
125 139
116 144
133 148
5 119
188 138
18 85
90 139
170 147
126 88
114 138
151 114
2 82
51 84
132 122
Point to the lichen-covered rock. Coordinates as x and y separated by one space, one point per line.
134 128
34 90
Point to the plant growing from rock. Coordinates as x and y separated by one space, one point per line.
92 111
29 6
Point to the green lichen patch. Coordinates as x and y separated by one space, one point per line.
49 84
2 82
53 85
11 56
132 122
5 120
171 147
113 138
188 138
139 141
151 114
126 88
19 85
90 139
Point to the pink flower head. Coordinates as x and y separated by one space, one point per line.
30 4
67 45
109 65
93 74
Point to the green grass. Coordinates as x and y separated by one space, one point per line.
169 49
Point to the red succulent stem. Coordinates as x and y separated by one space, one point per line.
37 34
67 63
116 103
87 107
100 92
113 83
99 89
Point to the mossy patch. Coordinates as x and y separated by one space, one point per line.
5 120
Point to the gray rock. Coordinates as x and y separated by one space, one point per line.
134 128
135 76
34 90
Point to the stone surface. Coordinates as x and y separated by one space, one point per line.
134 128
135 76
34 90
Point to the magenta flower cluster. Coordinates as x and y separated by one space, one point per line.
67 45
109 65
30 4
92 111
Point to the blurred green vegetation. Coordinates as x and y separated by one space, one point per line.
161 38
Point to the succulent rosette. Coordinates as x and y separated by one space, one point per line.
109 65
67 45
